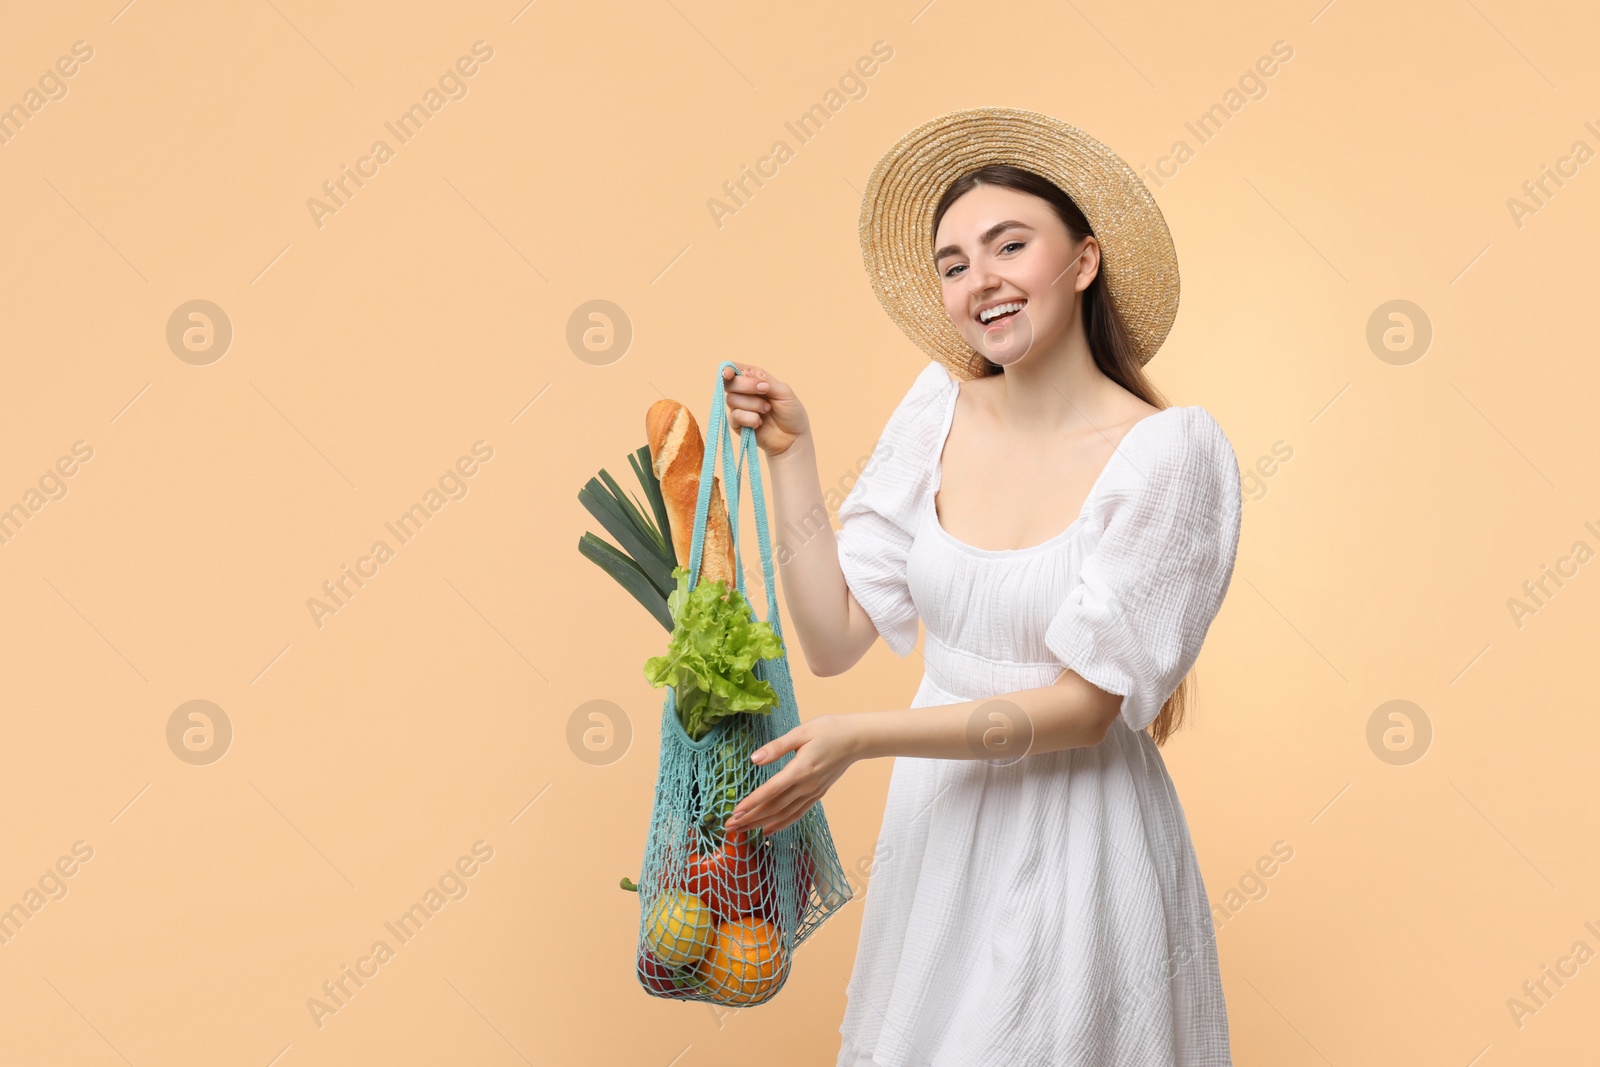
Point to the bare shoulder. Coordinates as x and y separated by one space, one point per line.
1138 409
1129 413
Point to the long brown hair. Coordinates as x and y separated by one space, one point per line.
1104 329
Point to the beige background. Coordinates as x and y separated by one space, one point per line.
429 312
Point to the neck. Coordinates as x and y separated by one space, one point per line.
1057 387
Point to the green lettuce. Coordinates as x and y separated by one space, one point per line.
710 660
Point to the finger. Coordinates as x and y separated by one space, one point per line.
790 815
758 798
767 814
787 743
748 401
757 382
750 379
770 797
765 383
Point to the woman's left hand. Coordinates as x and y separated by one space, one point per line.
823 747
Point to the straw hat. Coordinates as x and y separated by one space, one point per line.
1136 253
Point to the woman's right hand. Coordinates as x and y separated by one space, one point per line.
756 398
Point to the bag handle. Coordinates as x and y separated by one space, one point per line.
719 438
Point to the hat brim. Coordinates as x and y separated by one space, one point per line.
1137 256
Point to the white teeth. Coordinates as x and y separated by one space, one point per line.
999 309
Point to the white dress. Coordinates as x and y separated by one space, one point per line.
1046 910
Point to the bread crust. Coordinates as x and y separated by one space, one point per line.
677 451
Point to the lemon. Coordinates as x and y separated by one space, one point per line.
680 928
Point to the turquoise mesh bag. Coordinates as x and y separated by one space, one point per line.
722 914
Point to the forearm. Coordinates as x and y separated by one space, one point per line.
808 560
1072 713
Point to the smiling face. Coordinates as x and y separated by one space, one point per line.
1000 249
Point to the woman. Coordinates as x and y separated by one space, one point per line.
1067 538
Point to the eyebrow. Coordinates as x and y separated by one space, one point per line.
984 238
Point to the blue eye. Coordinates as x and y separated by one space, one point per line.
1009 244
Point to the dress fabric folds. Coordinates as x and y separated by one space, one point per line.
1047 909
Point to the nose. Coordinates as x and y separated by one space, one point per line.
981 276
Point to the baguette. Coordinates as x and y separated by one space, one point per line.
677 452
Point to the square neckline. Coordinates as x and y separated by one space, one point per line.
1083 512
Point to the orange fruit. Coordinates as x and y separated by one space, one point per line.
746 961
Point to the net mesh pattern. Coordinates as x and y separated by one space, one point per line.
722 913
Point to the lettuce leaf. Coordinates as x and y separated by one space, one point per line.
711 657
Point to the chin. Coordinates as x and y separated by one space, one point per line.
1024 339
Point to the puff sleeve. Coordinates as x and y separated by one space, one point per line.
1168 516
878 518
